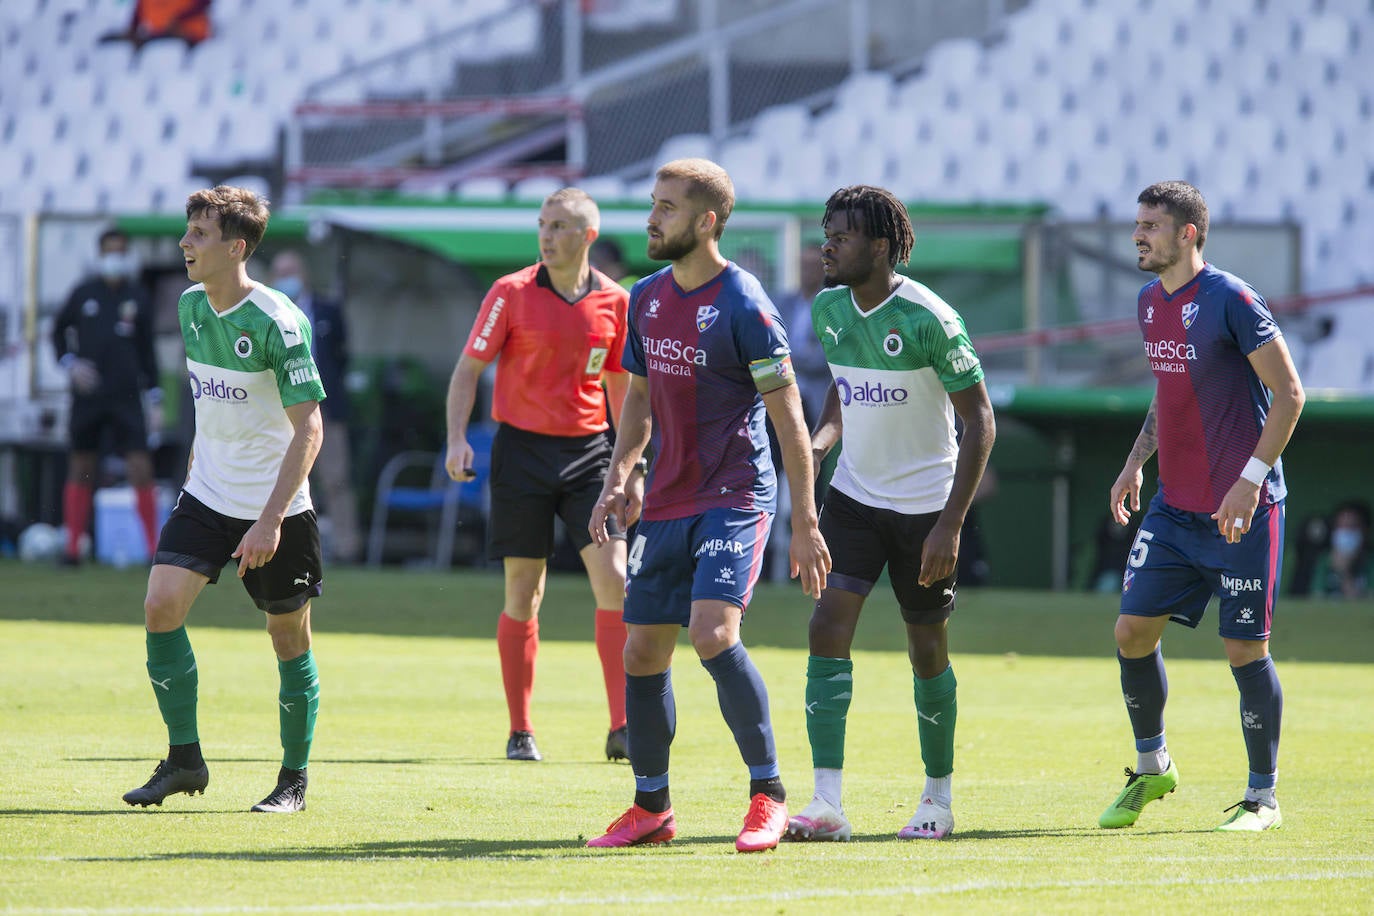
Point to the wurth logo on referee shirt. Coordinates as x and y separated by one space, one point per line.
481 342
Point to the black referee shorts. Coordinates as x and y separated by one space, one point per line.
122 416
535 478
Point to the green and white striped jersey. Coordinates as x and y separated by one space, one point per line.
246 365
893 369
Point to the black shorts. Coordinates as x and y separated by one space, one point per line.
863 539
535 478
200 539
122 416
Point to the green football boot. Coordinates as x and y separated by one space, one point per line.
1252 817
1141 789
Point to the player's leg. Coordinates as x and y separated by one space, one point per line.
193 549
1249 585
1161 583
517 643
657 606
77 501
652 713
524 500
857 560
130 430
172 671
585 469
926 610
283 590
606 570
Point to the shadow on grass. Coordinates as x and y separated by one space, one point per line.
465 604
441 849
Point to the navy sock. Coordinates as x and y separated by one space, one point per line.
744 703
651 714
1145 689
1261 714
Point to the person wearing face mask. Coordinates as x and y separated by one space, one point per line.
1346 569
329 346
103 338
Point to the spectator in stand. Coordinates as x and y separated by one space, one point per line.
103 337
329 347
153 20
1346 569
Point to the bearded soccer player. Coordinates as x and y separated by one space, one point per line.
258 428
903 369
559 329
708 358
1227 399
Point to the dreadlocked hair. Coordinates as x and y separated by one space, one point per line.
880 214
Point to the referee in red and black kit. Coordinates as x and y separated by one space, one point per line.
559 329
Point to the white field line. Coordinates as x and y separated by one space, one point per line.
642 900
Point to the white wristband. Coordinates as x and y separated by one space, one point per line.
1255 471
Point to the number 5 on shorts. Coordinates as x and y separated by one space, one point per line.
1140 548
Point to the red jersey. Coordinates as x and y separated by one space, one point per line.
552 351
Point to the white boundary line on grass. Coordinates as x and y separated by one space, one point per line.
661 899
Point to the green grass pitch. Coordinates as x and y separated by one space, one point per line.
413 808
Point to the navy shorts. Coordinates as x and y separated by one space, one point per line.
1180 560
715 556
863 539
122 416
535 478
202 540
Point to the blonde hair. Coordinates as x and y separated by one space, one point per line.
241 213
580 204
708 186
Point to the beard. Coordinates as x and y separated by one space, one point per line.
674 248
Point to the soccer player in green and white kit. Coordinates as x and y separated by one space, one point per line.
903 368
258 428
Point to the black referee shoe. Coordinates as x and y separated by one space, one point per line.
521 746
289 795
169 779
618 743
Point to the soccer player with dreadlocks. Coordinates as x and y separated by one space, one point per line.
903 369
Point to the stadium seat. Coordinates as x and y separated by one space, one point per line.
535 188
482 188
438 498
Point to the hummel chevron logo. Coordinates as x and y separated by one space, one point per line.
1130 701
165 685
933 720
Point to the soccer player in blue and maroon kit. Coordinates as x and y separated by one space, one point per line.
708 357
1227 399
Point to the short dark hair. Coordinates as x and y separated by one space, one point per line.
241 213
1180 200
881 216
113 232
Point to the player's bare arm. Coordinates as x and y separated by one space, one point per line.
1274 366
618 498
810 558
1129 481
617 383
940 553
829 429
462 394
259 543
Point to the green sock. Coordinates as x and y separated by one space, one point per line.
936 713
172 669
829 686
299 700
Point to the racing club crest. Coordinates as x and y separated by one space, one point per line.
706 316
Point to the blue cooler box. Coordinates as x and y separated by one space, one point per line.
118 531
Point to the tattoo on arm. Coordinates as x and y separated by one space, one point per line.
1148 440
